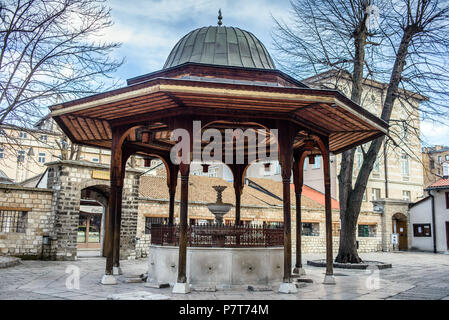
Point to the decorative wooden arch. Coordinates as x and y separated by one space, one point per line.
140 117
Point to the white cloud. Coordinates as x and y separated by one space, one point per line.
434 133
150 29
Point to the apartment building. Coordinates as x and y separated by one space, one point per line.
25 151
433 159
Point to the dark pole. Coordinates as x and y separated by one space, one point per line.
298 179
237 172
286 138
118 209
186 123
184 168
113 202
172 181
324 148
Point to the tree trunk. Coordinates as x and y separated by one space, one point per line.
349 210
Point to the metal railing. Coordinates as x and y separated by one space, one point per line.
218 235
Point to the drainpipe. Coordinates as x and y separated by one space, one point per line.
386 169
433 222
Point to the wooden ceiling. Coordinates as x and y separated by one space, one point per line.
152 104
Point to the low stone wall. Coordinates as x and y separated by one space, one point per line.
39 221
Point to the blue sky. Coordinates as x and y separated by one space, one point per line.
149 29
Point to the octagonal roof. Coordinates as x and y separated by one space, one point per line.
219 45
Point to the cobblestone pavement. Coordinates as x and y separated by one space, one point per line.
413 276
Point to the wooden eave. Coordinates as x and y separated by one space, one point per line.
150 103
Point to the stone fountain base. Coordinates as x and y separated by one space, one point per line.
223 268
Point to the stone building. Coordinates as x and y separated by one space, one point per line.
433 159
260 204
54 222
398 172
24 152
50 222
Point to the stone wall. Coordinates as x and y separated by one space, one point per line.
388 208
310 244
39 221
67 179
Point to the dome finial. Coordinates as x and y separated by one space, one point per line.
220 17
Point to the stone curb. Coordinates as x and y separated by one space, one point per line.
10 262
360 266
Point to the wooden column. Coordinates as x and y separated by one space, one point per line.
125 154
323 144
298 179
286 137
172 181
185 123
184 169
114 202
238 171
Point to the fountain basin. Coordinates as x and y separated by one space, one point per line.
220 267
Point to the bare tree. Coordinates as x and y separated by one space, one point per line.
407 49
49 49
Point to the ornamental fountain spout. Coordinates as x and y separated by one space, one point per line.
219 209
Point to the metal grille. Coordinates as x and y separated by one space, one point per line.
149 221
13 221
216 235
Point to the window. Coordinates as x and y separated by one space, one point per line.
23 135
43 138
376 167
405 135
375 194
446 157
440 159
336 229
432 164
405 165
212 172
364 196
406 195
310 229
200 222
367 230
41 157
2 132
154 220
422 230
20 156
305 163
278 168
317 163
95 160
447 200
13 220
2 153
359 157
273 224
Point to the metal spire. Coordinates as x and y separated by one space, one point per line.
220 17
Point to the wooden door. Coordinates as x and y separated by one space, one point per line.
401 229
89 231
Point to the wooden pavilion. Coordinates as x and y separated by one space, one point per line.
225 78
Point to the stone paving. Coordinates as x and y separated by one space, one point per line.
413 276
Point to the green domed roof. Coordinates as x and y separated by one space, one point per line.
224 46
